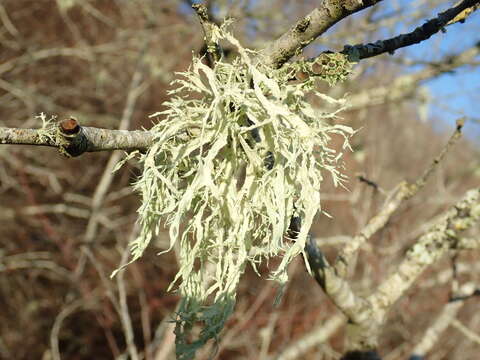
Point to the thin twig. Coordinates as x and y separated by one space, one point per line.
314 337
209 29
432 335
402 192
429 248
57 325
123 304
421 33
469 334
373 184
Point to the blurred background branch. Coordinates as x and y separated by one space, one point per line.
65 224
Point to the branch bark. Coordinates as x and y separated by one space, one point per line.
421 33
442 322
310 27
213 49
364 324
403 85
401 193
367 315
428 249
73 140
406 86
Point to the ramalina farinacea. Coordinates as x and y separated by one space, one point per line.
238 153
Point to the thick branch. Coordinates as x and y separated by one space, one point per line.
363 323
309 28
73 139
24 137
335 287
405 86
428 249
366 315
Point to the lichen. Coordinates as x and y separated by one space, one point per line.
238 153
303 25
330 67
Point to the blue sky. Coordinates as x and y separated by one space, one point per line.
456 94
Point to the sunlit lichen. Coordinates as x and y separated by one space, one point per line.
238 152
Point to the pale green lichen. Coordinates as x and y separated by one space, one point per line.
238 152
330 67
48 131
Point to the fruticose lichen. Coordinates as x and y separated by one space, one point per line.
238 153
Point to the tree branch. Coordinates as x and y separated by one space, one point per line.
433 334
421 33
401 193
335 287
73 140
464 14
428 249
363 324
213 49
310 27
313 338
405 83
406 86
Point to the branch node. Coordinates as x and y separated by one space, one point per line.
72 140
460 123
69 126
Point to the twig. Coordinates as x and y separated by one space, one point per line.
366 315
66 312
373 184
266 336
420 183
421 33
402 192
164 339
473 293
407 85
362 51
469 334
7 23
134 91
209 29
314 337
428 249
442 322
9 214
464 15
123 304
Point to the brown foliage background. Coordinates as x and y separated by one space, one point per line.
54 285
